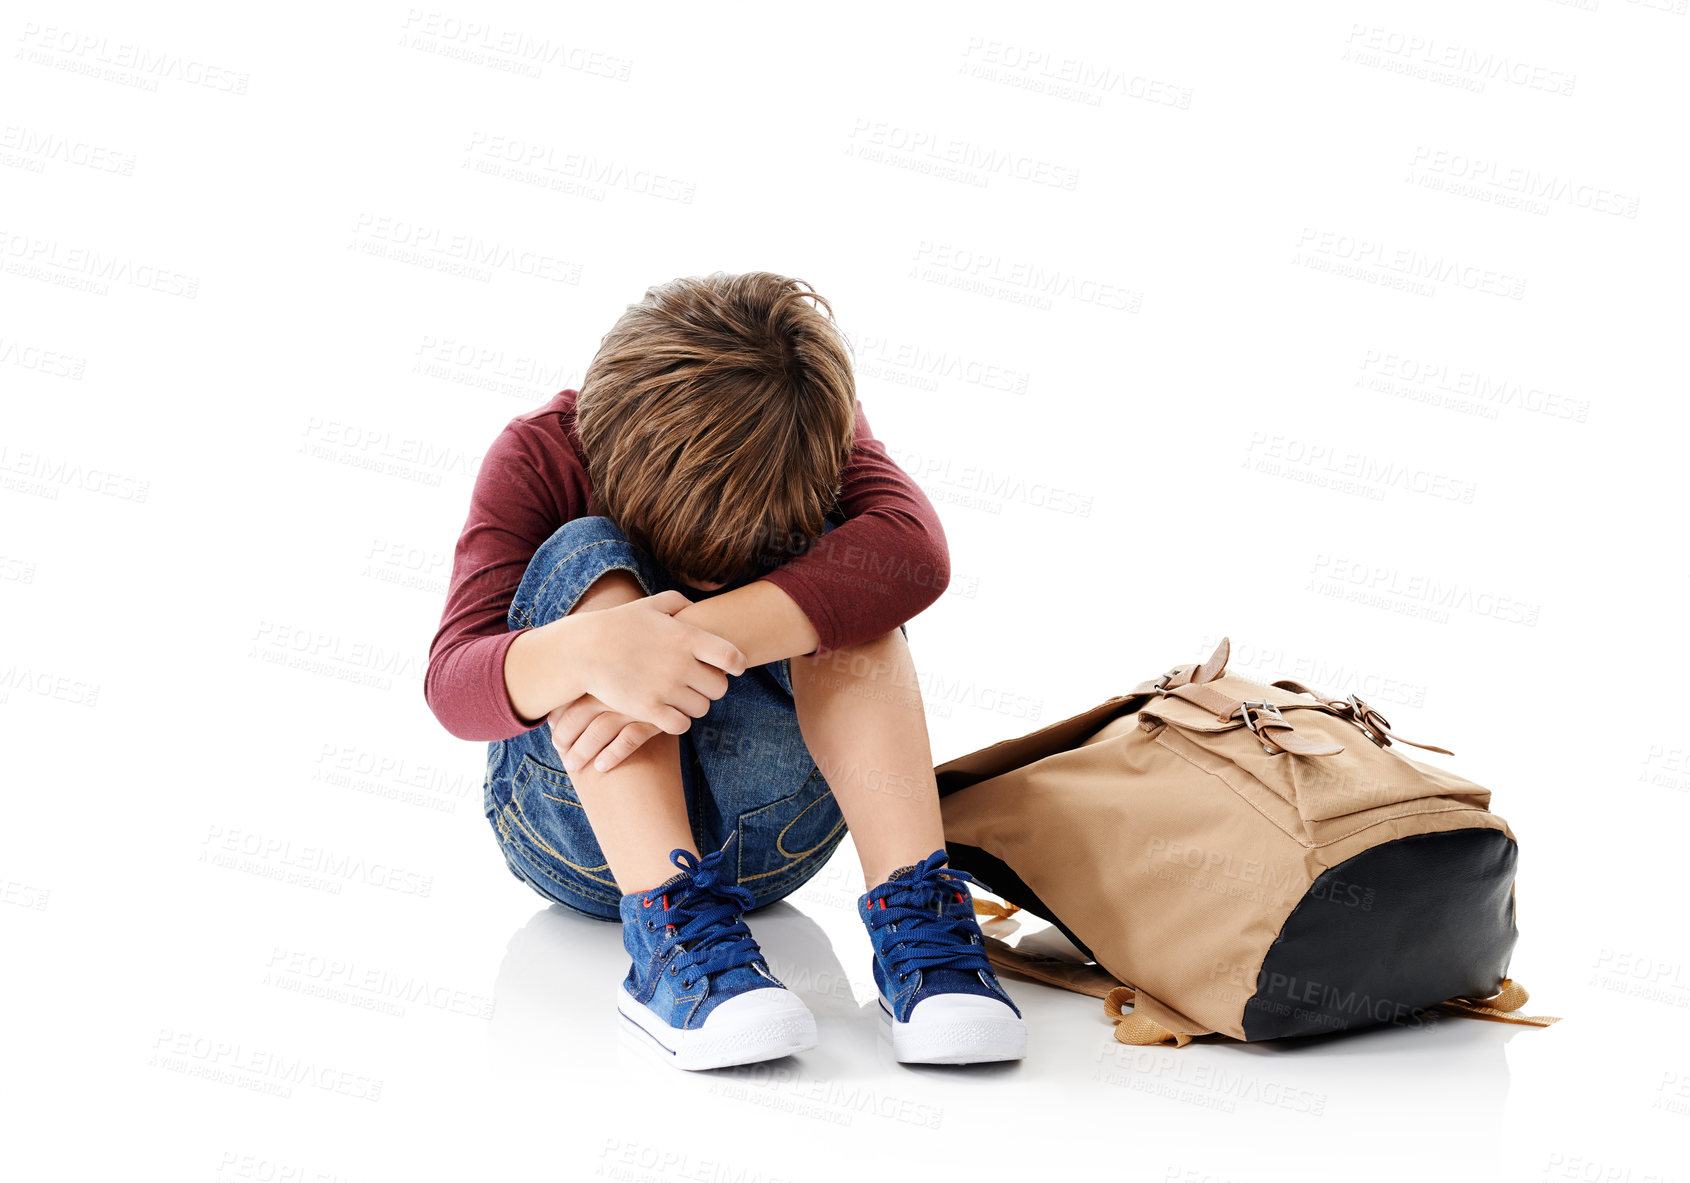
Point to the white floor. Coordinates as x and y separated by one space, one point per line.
1353 332
224 1025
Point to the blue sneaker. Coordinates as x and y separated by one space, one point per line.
699 988
938 994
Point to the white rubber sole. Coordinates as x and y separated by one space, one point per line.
756 1025
955 1029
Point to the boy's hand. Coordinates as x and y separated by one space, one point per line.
641 662
587 730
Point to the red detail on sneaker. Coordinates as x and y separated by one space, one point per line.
882 902
647 902
959 898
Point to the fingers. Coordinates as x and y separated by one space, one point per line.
567 723
592 740
690 701
568 720
626 743
667 718
722 654
586 731
708 681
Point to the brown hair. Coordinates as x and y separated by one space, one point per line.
717 418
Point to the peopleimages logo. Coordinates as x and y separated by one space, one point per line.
1346 470
920 147
1355 255
1372 583
37 148
1425 380
52 473
1278 992
1025 67
91 53
305 865
232 1062
85 268
480 43
1411 53
939 260
988 489
435 247
1526 183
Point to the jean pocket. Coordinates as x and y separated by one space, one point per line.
548 817
786 840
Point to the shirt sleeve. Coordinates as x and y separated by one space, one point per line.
513 510
883 565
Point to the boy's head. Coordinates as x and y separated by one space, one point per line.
717 418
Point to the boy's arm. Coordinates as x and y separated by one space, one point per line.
638 658
762 620
514 508
486 681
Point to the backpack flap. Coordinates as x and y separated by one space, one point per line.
1023 750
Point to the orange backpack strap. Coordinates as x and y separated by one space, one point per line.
1500 1007
1273 729
1372 724
1150 1021
1133 1027
1082 977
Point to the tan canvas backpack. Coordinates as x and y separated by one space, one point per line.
1254 860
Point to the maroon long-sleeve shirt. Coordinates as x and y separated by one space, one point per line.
885 563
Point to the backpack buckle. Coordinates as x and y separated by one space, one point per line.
1372 724
1162 682
1249 709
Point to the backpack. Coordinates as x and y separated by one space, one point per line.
1256 861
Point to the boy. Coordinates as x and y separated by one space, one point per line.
695 572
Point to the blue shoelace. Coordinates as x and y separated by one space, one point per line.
926 935
705 913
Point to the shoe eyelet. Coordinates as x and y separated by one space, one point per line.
686 985
650 926
673 970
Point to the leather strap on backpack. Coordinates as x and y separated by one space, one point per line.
1150 1022
1373 725
1139 1028
1500 1007
1065 973
1271 727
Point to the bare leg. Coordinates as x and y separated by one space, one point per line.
638 810
860 711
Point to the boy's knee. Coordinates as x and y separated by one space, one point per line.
586 563
615 587
886 642
875 657
589 545
586 530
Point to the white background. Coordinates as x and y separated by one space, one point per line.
1352 331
